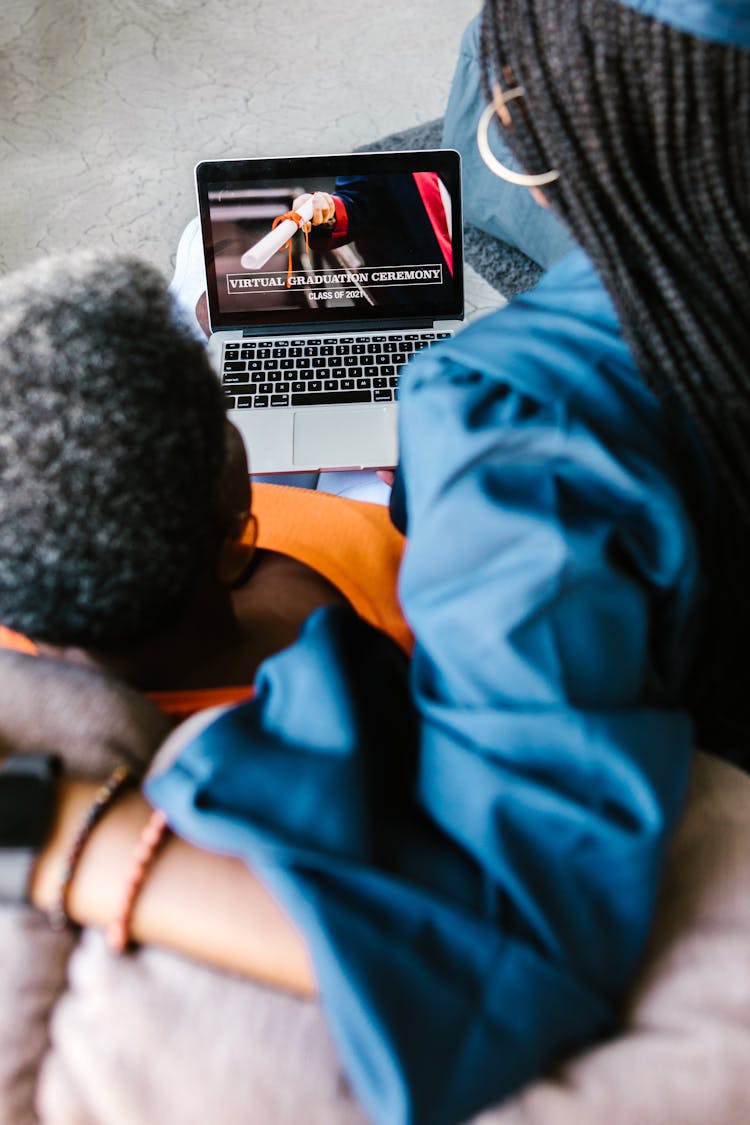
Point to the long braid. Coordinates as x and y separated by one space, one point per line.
650 129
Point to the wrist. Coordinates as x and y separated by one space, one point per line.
73 798
90 898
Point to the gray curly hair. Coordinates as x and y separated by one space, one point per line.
111 446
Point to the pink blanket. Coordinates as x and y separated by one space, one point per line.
87 1039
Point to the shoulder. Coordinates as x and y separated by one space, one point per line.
546 340
558 349
353 545
543 392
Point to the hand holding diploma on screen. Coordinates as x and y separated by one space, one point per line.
323 209
257 256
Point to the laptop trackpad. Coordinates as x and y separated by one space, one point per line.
340 438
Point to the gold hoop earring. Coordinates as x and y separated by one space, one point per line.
522 179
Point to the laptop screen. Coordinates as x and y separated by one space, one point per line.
332 239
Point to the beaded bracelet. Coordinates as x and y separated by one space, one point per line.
152 836
120 778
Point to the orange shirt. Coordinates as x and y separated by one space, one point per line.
352 544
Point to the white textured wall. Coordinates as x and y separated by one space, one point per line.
105 105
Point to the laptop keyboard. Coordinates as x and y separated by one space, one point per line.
318 370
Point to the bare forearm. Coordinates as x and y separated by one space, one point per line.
203 905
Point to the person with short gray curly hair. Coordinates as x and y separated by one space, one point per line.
127 542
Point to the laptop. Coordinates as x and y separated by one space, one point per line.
311 328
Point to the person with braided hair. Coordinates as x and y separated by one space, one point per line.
649 132
574 486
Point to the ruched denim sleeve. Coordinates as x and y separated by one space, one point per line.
472 842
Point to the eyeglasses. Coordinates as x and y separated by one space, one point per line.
522 179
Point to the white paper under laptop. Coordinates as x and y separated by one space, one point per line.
310 330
